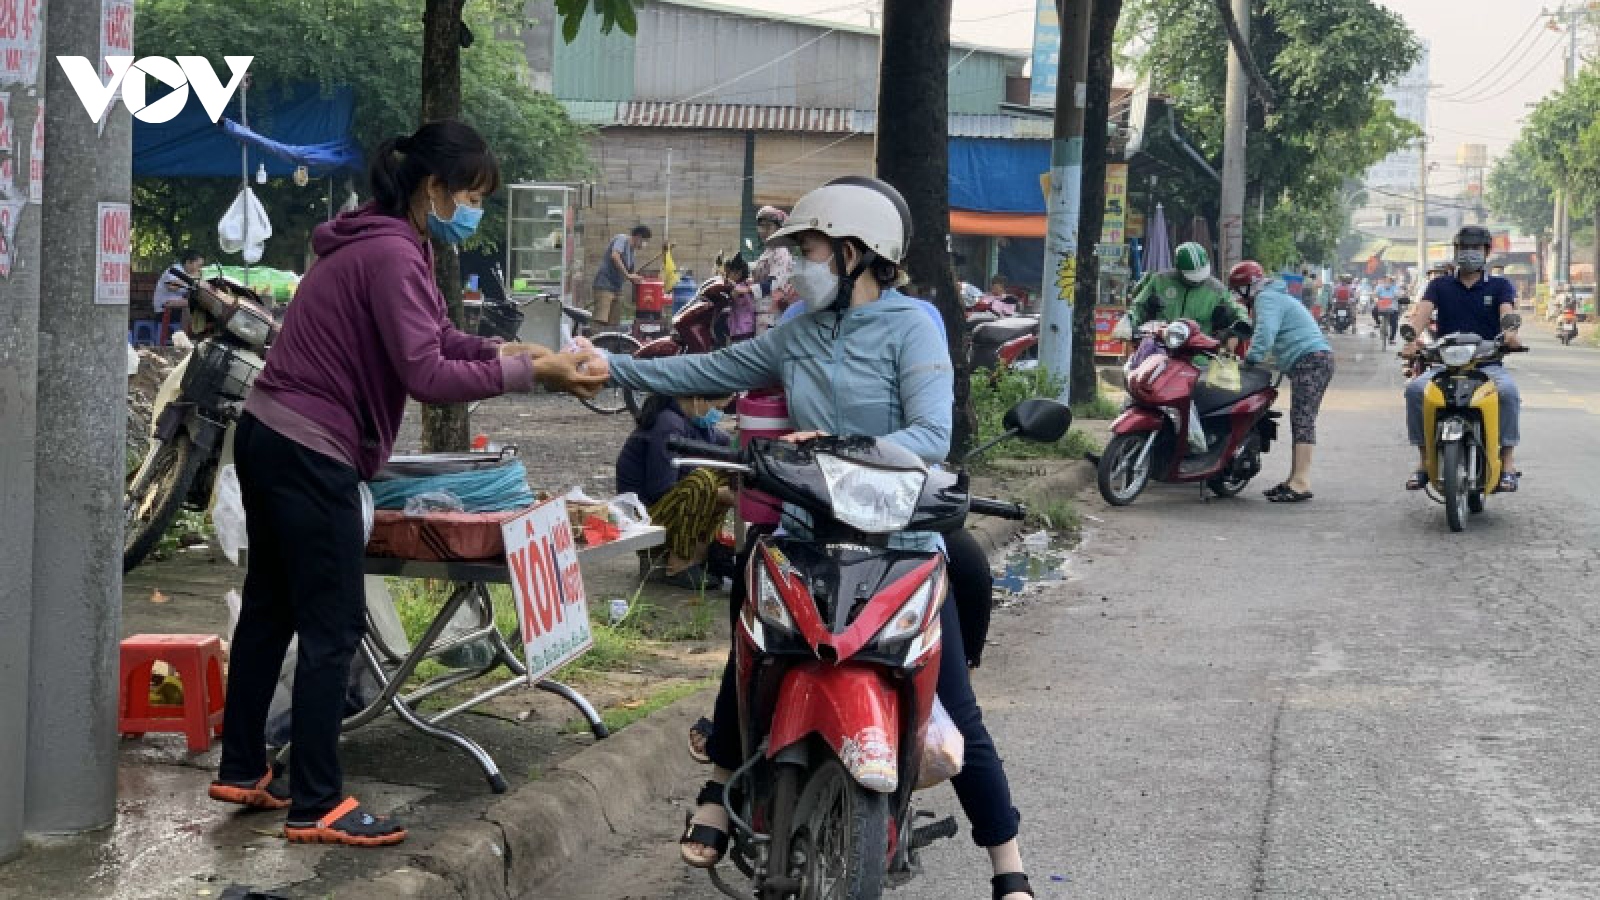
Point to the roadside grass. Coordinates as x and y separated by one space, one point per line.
1055 514
622 715
993 397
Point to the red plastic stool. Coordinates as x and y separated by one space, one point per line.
197 660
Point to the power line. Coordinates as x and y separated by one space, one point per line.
1472 85
1515 84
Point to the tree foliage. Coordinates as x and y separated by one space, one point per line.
1562 138
1326 61
374 47
1517 192
613 14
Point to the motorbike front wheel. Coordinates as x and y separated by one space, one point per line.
844 839
614 398
1453 471
153 500
1119 475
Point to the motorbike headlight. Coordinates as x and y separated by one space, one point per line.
1177 335
245 325
876 501
770 607
1458 355
908 621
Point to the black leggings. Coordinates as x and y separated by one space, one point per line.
982 788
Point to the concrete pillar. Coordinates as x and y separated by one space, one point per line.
82 397
19 367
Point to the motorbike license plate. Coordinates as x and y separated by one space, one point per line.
649 329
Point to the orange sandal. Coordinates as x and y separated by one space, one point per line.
267 793
347 824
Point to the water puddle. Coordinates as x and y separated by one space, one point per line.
1037 560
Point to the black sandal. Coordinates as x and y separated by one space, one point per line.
701 730
1011 883
704 835
1418 480
1288 494
1272 493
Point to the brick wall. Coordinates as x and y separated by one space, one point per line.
789 165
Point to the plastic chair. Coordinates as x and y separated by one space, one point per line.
145 333
197 660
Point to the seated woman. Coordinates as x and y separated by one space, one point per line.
690 505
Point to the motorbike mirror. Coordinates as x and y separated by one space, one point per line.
1510 322
1040 420
1408 332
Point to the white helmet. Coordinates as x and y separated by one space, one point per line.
857 207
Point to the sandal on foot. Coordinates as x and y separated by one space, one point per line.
1418 480
1290 495
699 738
1011 883
267 792
346 824
704 835
1508 483
1272 493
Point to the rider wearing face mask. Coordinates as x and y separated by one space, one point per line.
1470 301
861 360
367 331
1188 291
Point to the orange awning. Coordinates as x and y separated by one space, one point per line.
1018 225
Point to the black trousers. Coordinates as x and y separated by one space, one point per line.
982 788
303 517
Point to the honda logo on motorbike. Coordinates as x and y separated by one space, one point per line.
180 75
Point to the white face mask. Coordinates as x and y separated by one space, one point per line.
816 283
1198 275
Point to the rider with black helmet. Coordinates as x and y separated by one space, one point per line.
1470 301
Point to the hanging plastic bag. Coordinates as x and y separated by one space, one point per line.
1123 330
943 749
227 514
1223 373
244 228
1197 431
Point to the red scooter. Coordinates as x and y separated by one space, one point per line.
837 652
1151 439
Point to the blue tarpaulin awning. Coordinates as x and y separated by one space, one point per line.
998 176
307 127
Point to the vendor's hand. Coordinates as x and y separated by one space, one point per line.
636 279
515 348
800 437
579 374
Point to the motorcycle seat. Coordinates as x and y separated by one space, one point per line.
1002 330
1251 381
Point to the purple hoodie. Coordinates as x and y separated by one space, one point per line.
367 327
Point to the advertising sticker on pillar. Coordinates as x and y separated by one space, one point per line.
1046 54
1114 228
116 39
36 159
113 259
552 610
19 41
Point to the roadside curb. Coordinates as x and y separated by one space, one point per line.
1068 478
529 834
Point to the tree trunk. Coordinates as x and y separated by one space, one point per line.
445 427
913 119
1097 110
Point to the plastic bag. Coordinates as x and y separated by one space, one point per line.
227 514
432 502
628 512
1223 373
1197 431
943 749
244 228
1123 330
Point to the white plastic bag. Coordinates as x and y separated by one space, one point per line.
227 514
1197 431
628 512
244 228
1123 331
943 749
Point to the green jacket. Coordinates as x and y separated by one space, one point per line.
1166 297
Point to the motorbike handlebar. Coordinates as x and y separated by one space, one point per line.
704 450
997 508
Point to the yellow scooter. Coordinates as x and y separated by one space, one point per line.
1461 419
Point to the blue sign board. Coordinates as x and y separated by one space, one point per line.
1046 54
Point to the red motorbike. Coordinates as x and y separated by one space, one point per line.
1152 438
837 654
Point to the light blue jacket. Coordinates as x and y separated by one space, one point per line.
1283 328
878 370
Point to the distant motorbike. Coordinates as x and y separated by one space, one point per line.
1567 328
1011 342
1152 438
195 410
700 327
1461 419
1342 320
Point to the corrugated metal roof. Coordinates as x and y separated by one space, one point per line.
730 117
747 13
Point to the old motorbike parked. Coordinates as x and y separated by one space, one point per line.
1154 437
1461 419
837 651
195 410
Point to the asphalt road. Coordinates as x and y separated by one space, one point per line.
1331 699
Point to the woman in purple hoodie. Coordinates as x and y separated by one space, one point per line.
367 329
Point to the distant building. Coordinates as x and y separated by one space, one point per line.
1400 169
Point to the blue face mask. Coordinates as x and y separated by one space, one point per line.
709 420
460 227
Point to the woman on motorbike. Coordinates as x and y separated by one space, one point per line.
369 330
864 361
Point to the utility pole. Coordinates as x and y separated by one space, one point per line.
1561 239
1231 225
1422 209
1066 193
19 373
78 477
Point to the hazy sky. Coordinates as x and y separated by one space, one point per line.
1469 38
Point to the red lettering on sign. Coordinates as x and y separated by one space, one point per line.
119 28
8 20
523 573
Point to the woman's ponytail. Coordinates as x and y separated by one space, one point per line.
451 151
